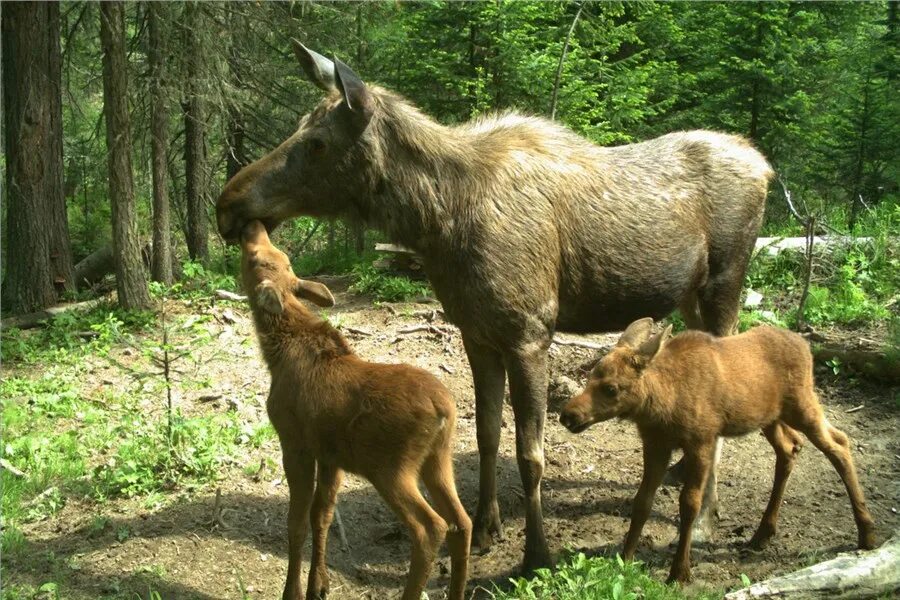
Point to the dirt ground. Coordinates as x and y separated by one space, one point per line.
181 551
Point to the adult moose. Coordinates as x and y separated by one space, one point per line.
524 228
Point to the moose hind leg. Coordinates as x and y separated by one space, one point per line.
489 378
437 474
527 370
786 443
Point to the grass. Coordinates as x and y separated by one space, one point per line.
596 578
386 288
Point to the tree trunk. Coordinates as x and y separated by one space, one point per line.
161 266
195 140
131 282
30 153
60 244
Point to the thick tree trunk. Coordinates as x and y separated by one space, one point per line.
131 282
161 265
35 262
195 139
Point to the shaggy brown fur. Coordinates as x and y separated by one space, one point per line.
524 228
696 387
392 424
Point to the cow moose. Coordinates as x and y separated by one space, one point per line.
524 228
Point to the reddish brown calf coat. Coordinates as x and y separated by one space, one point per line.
696 387
392 424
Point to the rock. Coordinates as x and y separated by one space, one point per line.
559 391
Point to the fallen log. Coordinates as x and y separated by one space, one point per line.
29 320
871 363
849 575
94 267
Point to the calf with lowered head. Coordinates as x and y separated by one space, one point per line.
333 412
685 392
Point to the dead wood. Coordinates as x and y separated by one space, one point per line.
871 363
849 575
29 320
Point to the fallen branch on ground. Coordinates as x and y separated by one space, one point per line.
871 363
226 295
850 575
29 320
579 344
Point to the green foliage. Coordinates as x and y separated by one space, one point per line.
600 578
72 334
386 288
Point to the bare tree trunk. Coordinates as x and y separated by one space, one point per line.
131 282
60 244
30 150
195 139
562 59
161 266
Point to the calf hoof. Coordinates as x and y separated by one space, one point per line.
866 540
761 538
681 574
485 529
317 588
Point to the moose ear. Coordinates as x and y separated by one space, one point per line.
318 69
355 93
652 346
636 333
269 298
316 293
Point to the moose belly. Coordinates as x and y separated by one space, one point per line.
608 297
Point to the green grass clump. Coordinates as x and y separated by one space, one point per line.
596 578
386 288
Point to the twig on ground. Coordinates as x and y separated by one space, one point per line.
13 470
226 295
578 344
856 408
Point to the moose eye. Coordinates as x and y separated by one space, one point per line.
609 390
316 146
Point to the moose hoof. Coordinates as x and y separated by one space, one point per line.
761 538
534 560
486 529
681 574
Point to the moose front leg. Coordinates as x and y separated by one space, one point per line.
489 378
527 370
300 471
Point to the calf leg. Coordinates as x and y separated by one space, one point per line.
329 482
426 528
437 474
697 463
489 377
527 370
300 471
655 461
786 443
836 446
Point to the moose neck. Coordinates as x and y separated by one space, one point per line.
655 399
297 336
426 176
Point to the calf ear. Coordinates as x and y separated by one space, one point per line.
637 333
318 69
652 346
355 93
316 293
269 298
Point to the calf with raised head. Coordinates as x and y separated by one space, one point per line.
685 392
333 412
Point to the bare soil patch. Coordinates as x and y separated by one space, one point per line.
181 550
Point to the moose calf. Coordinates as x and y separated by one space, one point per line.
686 392
335 412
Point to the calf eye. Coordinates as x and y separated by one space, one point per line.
609 390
